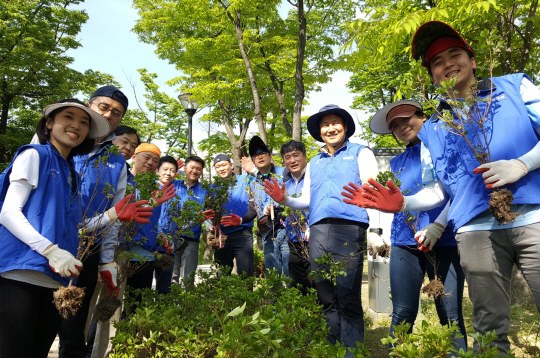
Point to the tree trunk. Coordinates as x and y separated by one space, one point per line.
251 76
236 144
299 77
4 116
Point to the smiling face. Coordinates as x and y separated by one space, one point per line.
450 63
126 143
262 161
144 162
109 108
333 130
68 129
406 128
295 161
166 172
193 171
223 168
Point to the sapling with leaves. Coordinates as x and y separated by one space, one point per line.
216 199
468 118
296 226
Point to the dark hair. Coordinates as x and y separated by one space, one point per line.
44 135
168 159
418 113
291 146
194 158
471 55
127 130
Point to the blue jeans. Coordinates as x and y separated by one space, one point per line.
276 252
408 266
342 305
186 259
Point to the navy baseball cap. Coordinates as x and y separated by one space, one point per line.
314 120
257 146
221 157
114 93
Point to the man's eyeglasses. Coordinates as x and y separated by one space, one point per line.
104 108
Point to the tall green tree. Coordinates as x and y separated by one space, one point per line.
34 38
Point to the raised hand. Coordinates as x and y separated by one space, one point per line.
247 164
354 195
385 199
273 189
167 193
125 211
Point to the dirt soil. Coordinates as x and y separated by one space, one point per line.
68 300
500 206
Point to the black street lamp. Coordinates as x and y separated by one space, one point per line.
190 107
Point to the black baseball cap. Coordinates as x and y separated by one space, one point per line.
221 157
114 93
257 146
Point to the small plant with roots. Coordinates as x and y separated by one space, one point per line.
469 120
298 224
216 199
68 299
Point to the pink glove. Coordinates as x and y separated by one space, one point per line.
208 215
125 211
274 191
385 199
232 220
109 274
355 197
167 193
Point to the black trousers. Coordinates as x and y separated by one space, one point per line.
299 266
29 321
239 245
72 339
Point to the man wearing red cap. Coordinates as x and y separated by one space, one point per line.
488 250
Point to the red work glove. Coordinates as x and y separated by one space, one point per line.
167 193
125 211
274 191
354 196
208 215
385 199
232 220
109 274
180 163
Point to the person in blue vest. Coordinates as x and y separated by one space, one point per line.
488 250
147 238
187 246
409 262
335 227
167 168
275 247
238 223
294 158
112 104
38 251
127 140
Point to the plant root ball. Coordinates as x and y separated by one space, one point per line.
385 253
213 240
434 288
164 262
105 308
500 206
68 300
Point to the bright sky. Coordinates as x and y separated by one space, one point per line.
109 45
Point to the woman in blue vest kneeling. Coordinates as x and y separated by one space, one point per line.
335 227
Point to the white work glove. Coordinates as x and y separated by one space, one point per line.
428 237
109 275
375 243
268 209
307 234
62 261
502 172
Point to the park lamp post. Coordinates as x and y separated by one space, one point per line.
190 107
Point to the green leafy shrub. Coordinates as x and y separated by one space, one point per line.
226 317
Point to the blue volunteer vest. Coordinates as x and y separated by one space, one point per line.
510 135
256 187
94 180
292 224
238 203
196 193
328 176
50 209
408 169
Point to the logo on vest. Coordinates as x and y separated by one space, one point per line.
110 165
348 158
55 173
499 97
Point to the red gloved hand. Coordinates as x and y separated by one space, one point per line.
232 220
167 193
169 248
208 215
355 197
180 163
130 212
274 191
385 199
109 273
